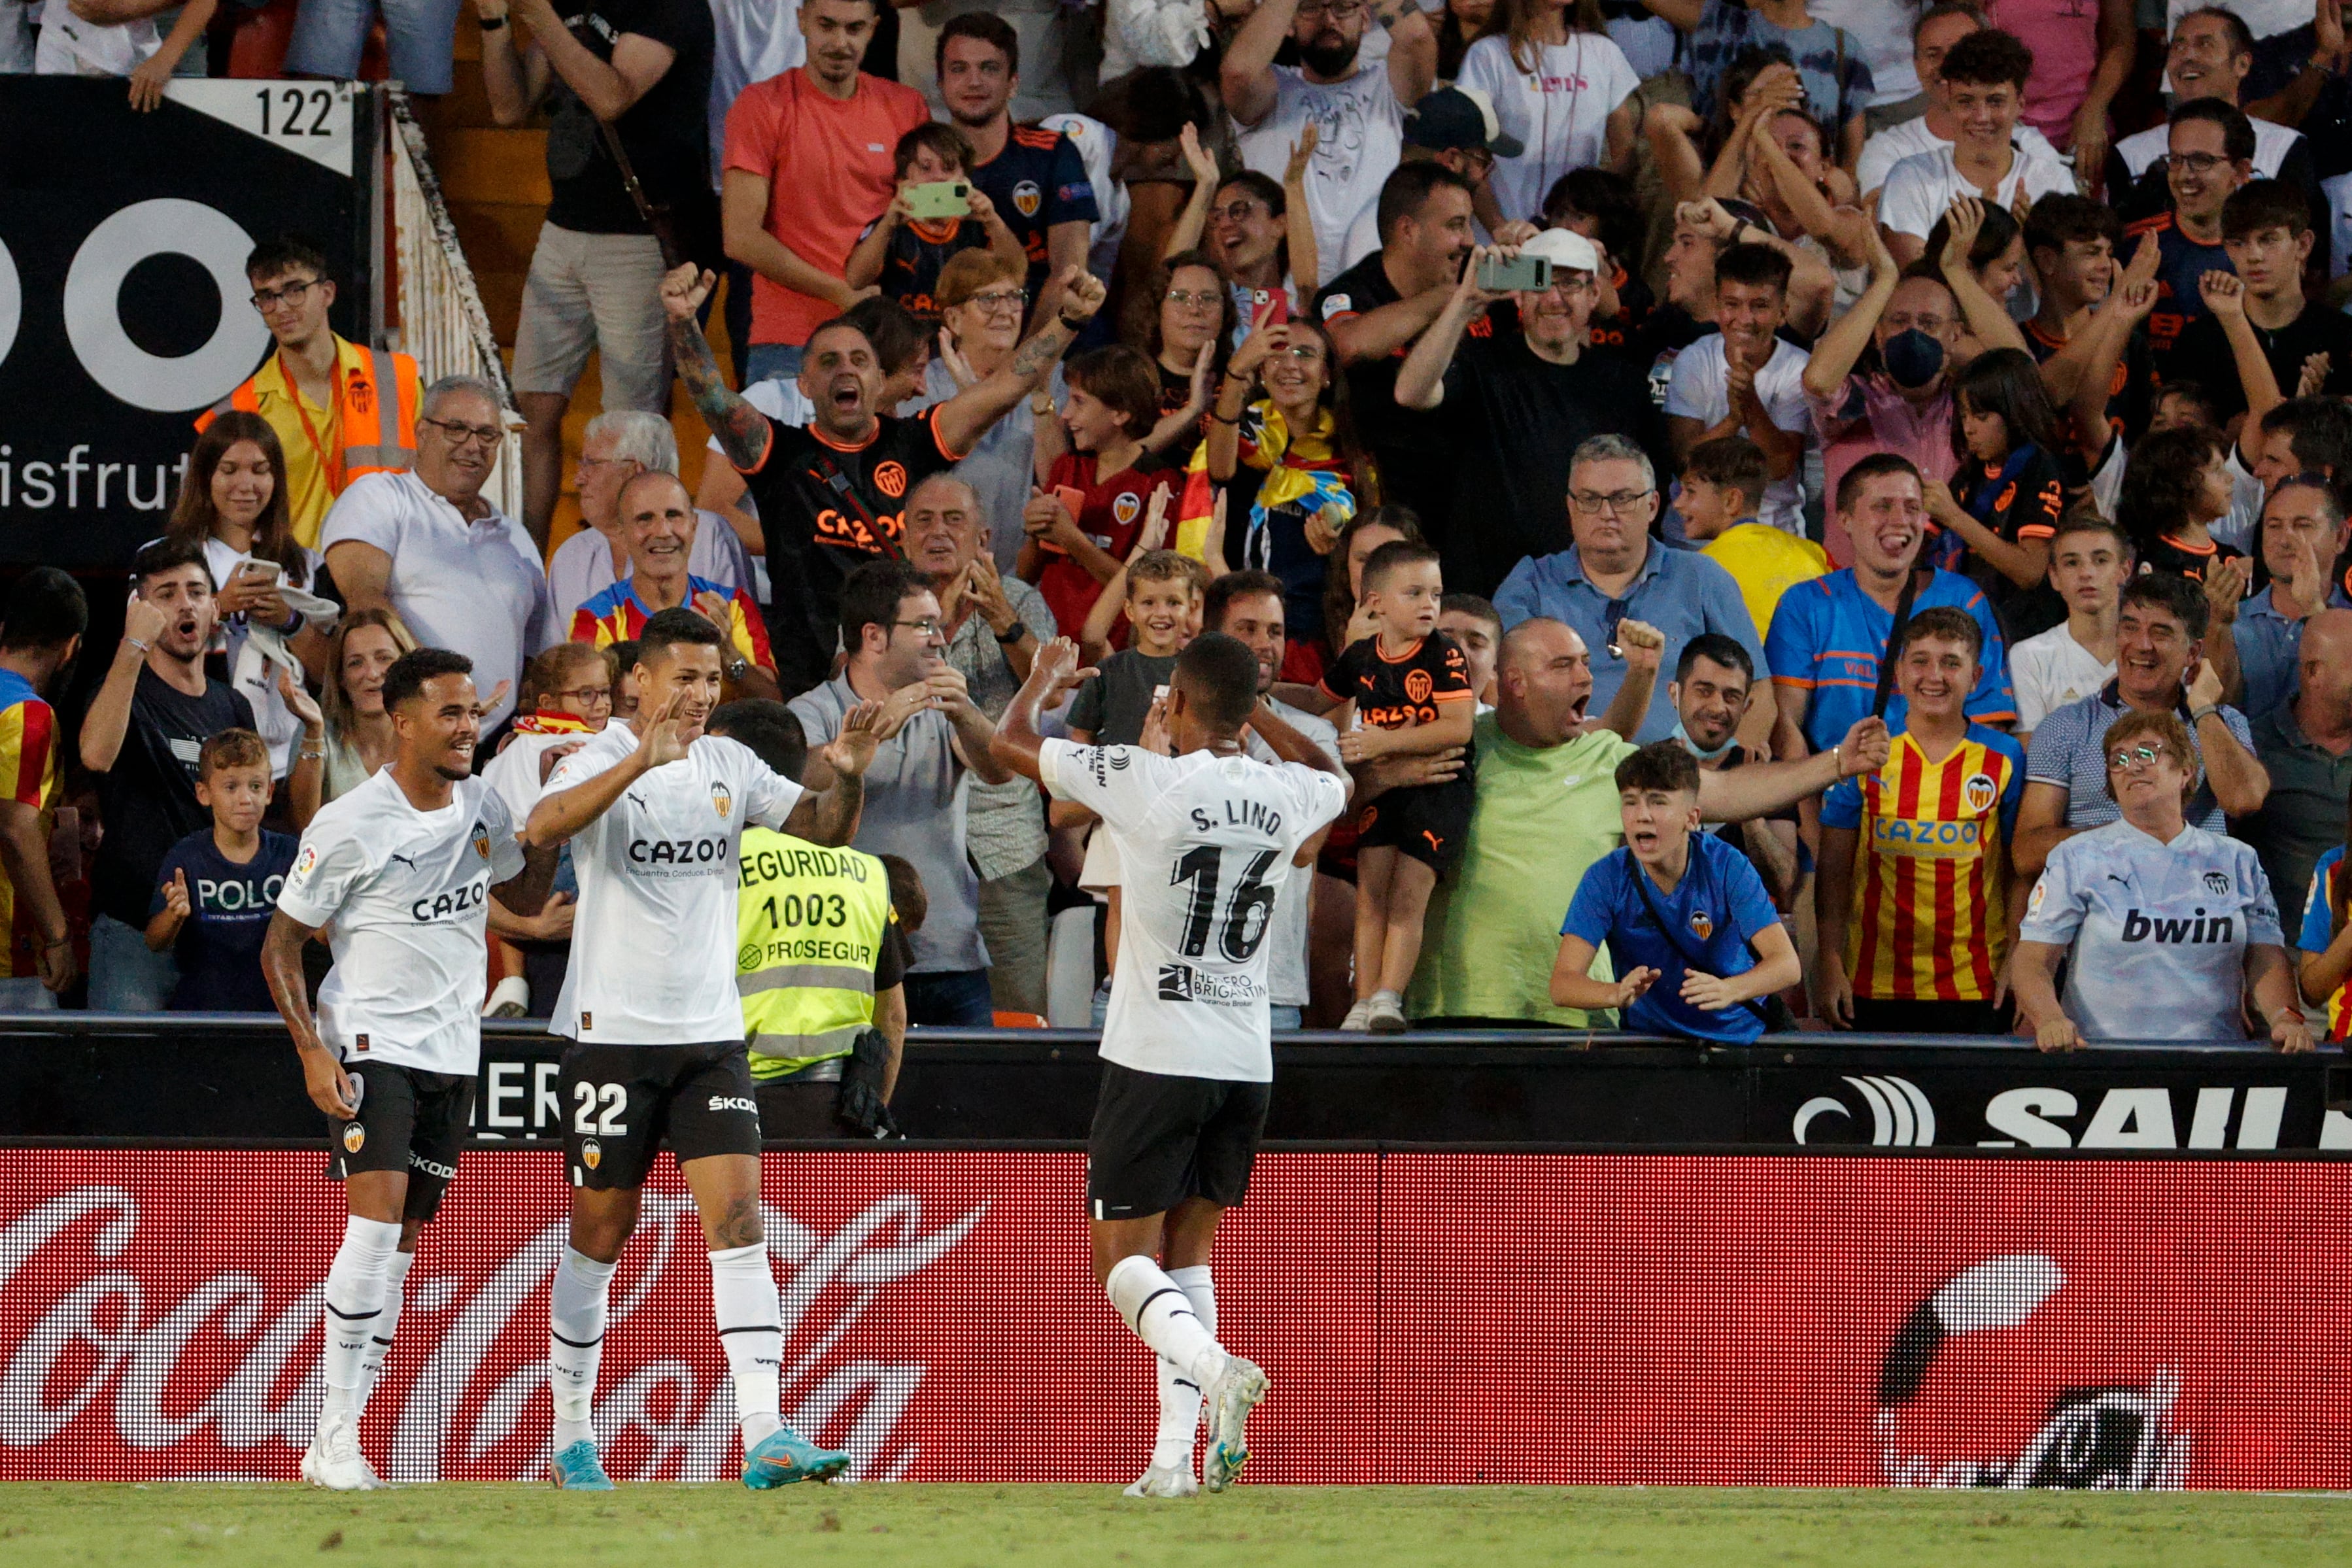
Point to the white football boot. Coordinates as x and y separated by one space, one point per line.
334 1461
1166 1481
1237 1392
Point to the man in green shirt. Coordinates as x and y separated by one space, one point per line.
1546 810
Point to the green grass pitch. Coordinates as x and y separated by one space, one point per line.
479 1526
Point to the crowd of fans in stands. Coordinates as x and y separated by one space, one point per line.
1800 510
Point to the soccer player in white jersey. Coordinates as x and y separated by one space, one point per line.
1208 837
654 808
403 870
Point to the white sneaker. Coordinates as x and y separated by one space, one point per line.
1359 1019
1166 1481
510 999
1237 1392
334 1461
1384 1016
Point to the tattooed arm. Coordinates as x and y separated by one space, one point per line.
963 418
742 430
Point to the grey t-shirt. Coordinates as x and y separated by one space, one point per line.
1001 468
1112 706
1006 822
914 792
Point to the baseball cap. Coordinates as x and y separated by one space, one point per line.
1459 116
1567 250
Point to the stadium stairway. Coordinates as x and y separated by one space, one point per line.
495 183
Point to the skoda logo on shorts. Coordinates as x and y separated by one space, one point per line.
354 1136
591 1154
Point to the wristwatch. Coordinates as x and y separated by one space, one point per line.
2198 715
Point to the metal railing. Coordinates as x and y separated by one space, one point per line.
442 323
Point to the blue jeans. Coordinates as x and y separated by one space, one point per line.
417 34
951 998
767 361
124 977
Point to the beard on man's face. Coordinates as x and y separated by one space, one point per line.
1328 59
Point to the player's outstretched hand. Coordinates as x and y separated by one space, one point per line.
849 753
1056 669
329 1085
662 739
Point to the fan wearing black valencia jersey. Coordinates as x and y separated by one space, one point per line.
404 870
832 496
654 809
1208 837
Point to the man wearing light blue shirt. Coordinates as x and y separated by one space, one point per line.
2300 536
1616 570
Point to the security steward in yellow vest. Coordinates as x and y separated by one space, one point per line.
340 411
819 957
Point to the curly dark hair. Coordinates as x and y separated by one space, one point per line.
2163 482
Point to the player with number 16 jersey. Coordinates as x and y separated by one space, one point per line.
1207 839
654 809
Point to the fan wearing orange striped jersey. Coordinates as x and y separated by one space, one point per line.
45 617
1916 932
657 524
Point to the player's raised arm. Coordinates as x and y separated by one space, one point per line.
281 965
1293 747
830 816
560 814
1054 671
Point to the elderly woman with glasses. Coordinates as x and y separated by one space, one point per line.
982 297
2170 931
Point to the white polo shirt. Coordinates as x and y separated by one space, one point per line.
475 588
1698 388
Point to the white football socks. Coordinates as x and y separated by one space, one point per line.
395 1290
1179 1396
354 1302
575 1343
1163 1316
744 1300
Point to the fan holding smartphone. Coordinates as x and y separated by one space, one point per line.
937 215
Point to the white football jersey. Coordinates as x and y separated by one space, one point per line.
1205 846
407 894
653 940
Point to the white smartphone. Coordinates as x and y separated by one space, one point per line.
269 571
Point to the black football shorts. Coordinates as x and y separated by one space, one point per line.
409 1120
1426 822
622 1103
1158 1138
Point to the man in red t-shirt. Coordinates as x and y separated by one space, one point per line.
809 155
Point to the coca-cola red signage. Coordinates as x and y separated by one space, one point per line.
1612 1319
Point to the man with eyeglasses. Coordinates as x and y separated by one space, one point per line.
2210 55
1616 571
933 737
1515 405
2210 152
1330 85
428 546
616 447
2160 667
340 411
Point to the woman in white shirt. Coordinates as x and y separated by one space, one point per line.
1566 92
2169 926
233 503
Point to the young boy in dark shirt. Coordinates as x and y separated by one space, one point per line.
904 254
218 888
1406 690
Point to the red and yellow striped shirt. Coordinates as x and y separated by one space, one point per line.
28 776
1931 920
617 615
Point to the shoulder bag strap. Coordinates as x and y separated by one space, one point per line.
1673 938
1878 699
829 474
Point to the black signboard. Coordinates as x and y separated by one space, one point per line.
123 301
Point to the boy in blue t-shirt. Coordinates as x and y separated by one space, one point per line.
218 888
1690 929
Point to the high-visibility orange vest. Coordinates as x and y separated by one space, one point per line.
368 445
